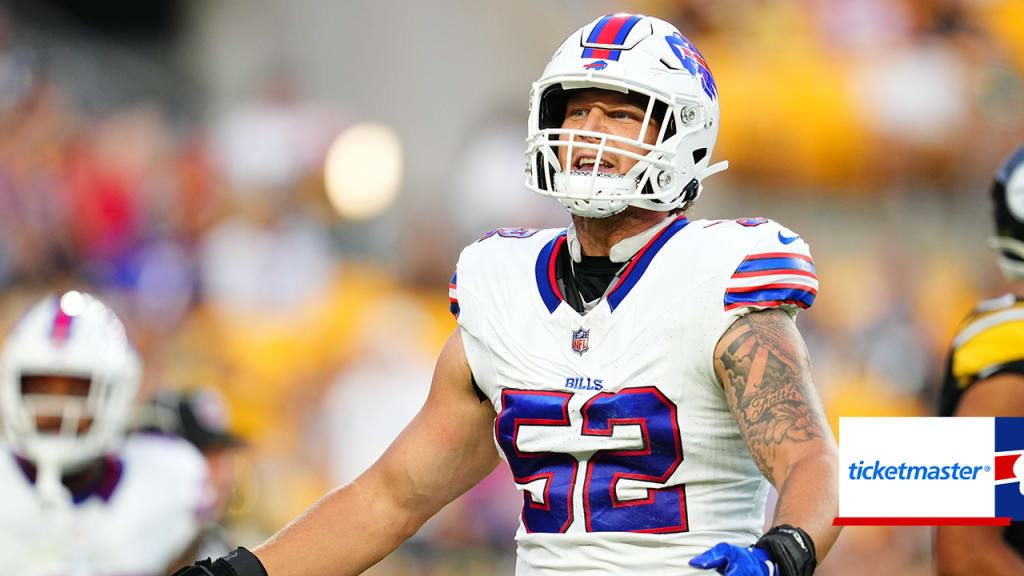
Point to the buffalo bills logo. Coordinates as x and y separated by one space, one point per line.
692 60
598 65
580 341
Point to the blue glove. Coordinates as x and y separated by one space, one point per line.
736 561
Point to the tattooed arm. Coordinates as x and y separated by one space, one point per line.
762 364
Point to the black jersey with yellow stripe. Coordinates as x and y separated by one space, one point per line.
990 341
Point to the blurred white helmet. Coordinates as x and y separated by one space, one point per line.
631 54
73 335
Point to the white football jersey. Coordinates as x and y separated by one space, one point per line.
137 521
613 423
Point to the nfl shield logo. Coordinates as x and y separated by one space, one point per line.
580 341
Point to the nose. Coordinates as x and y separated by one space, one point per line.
595 120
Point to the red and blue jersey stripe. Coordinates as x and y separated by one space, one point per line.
639 263
773 279
545 269
775 262
104 489
453 295
547 283
771 295
611 30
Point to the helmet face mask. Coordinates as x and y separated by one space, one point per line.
646 59
1008 207
68 380
58 405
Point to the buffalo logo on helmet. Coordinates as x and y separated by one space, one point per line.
694 63
598 65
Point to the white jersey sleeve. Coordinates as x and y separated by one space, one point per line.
473 287
736 267
777 271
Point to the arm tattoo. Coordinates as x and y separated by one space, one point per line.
763 366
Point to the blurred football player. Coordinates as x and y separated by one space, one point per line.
76 500
641 373
201 416
985 377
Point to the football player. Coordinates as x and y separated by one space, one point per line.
985 377
641 373
76 499
201 416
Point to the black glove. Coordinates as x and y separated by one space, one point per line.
791 548
241 562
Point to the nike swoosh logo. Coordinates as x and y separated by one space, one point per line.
787 239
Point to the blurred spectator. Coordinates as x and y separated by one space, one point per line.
268 255
271 142
201 417
372 400
489 178
266 264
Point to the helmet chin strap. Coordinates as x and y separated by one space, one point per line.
603 190
1012 269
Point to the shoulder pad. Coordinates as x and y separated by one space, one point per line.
775 269
987 341
1004 301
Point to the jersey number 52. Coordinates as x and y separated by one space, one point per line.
661 511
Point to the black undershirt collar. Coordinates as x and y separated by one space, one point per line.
588 279
584 281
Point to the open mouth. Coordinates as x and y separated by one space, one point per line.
586 164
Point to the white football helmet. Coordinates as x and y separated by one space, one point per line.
71 335
633 54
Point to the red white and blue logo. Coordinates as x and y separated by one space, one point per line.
610 32
1009 467
598 65
692 60
580 341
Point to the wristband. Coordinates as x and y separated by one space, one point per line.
791 549
242 563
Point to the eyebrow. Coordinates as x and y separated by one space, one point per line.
576 105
